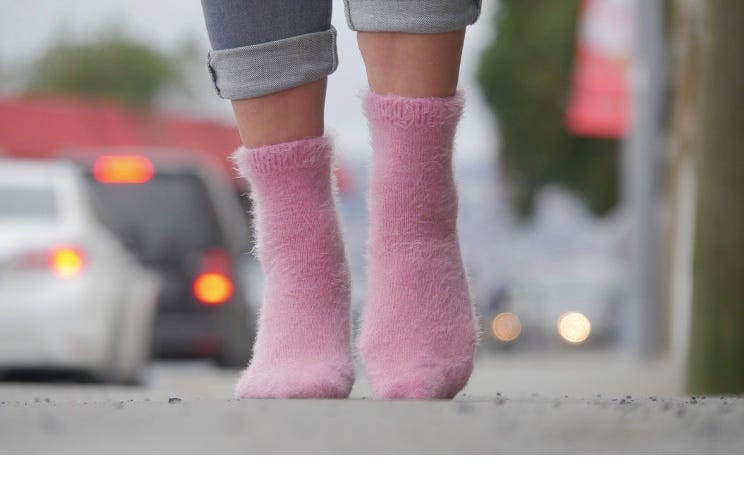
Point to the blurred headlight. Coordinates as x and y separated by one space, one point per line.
574 327
506 327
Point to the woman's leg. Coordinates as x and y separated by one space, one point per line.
418 334
283 116
412 65
271 58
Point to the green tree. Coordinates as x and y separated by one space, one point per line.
525 75
110 67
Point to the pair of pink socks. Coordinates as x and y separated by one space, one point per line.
418 333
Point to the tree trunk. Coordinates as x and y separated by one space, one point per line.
716 362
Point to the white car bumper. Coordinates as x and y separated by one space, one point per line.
55 323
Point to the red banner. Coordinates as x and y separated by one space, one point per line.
600 97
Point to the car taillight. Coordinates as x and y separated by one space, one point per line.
63 261
213 285
212 288
123 169
67 262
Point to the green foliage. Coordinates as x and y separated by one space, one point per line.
525 75
109 67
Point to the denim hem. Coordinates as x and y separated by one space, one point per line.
411 16
257 70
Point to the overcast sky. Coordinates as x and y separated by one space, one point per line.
27 27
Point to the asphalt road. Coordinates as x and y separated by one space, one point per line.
513 404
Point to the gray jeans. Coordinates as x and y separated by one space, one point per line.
265 46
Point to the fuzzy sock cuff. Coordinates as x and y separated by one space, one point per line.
408 112
295 155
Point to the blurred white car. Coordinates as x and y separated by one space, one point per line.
71 296
567 301
564 286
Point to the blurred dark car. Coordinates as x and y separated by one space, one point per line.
184 220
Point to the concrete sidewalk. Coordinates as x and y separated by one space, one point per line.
499 425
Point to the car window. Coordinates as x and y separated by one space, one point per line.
35 203
169 215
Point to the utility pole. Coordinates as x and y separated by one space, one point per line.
641 151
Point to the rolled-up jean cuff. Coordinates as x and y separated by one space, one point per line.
411 16
257 70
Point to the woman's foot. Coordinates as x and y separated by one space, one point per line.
302 347
418 332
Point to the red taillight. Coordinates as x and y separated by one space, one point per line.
213 284
66 262
212 288
123 169
63 261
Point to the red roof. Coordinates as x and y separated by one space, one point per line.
41 128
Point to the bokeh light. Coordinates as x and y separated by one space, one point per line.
574 327
213 288
66 262
506 327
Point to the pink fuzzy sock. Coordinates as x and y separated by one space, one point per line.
418 332
302 348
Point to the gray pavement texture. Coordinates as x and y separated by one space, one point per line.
359 426
514 403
